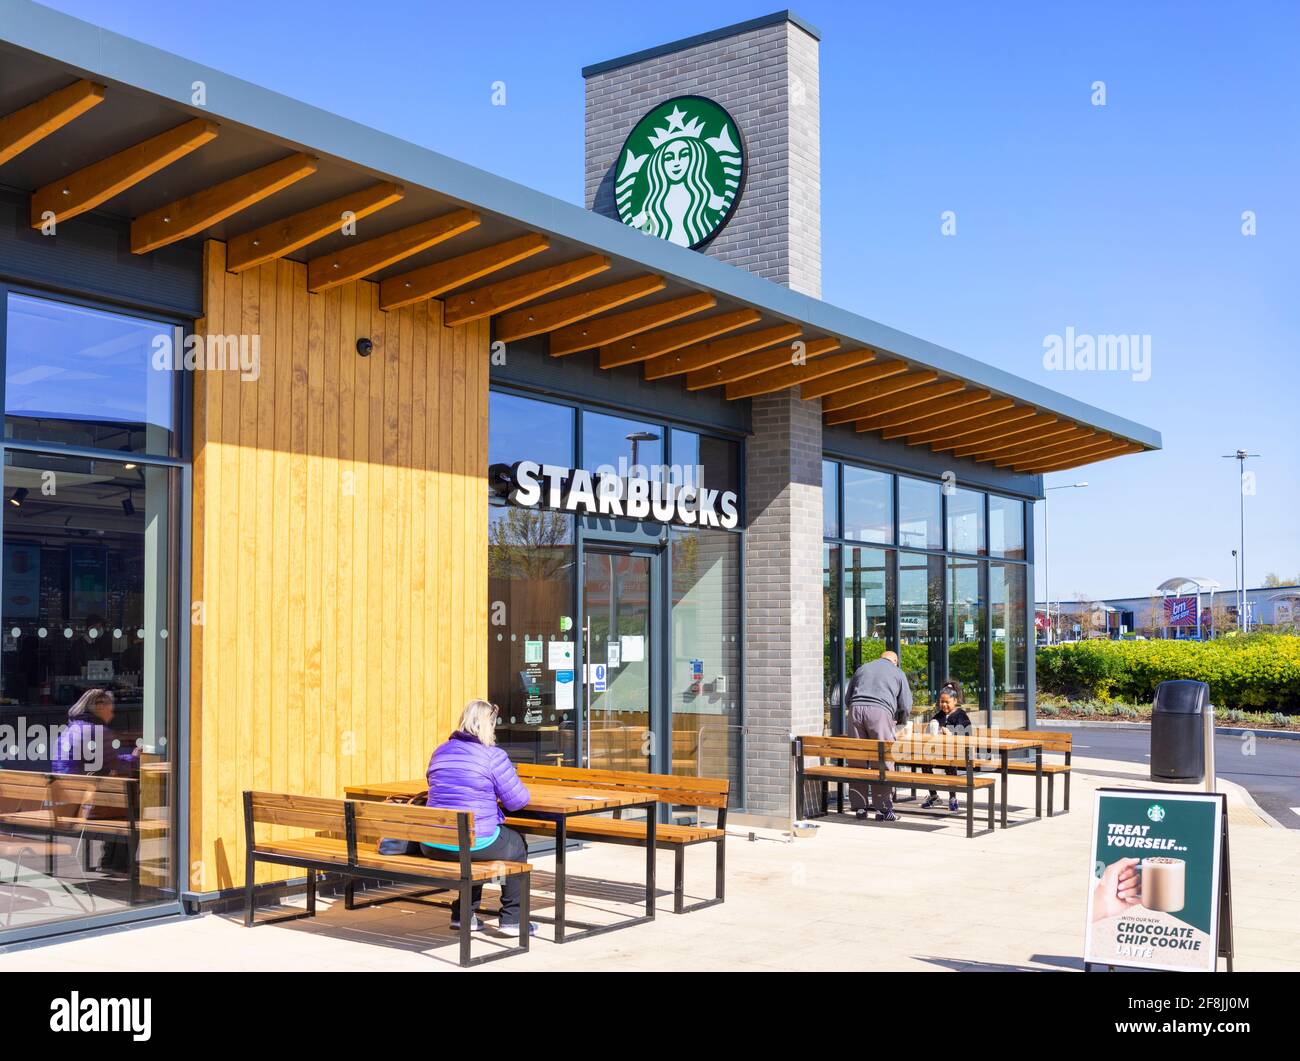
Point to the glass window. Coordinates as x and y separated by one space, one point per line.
705 460
830 499
1006 527
528 429
704 685
89 675
1008 603
832 714
628 448
920 626
531 589
920 514
868 605
86 377
868 505
966 631
966 522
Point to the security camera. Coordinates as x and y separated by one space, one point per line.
364 346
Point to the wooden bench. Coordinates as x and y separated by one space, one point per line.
1053 741
78 807
836 752
343 839
670 789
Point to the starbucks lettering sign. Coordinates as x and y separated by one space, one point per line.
681 171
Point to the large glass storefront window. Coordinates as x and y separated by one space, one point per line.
704 679
966 636
1010 645
920 626
88 619
658 610
949 616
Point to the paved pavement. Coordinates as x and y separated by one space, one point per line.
1268 769
861 895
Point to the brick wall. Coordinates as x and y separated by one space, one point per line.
767 78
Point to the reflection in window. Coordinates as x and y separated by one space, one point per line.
868 505
920 514
527 429
531 588
1010 648
1006 527
88 668
830 499
704 684
613 444
966 630
85 377
704 460
920 625
832 699
868 605
966 522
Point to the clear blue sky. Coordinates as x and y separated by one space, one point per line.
1112 220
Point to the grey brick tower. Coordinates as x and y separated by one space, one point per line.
765 73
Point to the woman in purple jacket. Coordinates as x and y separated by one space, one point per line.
471 773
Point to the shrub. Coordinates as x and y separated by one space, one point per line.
1253 671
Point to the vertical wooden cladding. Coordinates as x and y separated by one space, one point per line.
340 546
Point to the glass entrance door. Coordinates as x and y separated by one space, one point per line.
619 591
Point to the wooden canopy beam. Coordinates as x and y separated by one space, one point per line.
913 413
1005 430
1105 444
194 213
994 420
894 402
843 381
1024 441
704 355
880 388
949 418
643 347
430 281
743 368
363 259
1063 446
498 297
779 379
547 317
618 326
94 184
285 236
30 125
1076 461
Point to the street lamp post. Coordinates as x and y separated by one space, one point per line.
1047 585
1241 456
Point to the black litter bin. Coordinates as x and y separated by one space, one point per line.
1178 731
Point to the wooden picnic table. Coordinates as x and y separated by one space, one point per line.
555 803
1002 746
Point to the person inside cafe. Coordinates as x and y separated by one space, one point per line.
950 719
87 744
878 697
469 772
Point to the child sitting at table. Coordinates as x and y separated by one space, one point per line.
951 719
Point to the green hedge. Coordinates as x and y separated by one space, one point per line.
1259 670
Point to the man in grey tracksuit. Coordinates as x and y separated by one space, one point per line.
877 692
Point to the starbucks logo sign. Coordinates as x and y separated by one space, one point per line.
681 171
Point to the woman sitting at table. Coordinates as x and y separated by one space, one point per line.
951 719
469 772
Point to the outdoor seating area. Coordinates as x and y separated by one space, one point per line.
959 765
566 804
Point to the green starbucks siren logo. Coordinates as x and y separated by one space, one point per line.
681 171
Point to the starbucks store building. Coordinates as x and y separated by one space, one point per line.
312 435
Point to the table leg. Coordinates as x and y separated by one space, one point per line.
560 841
651 816
1002 756
1038 781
